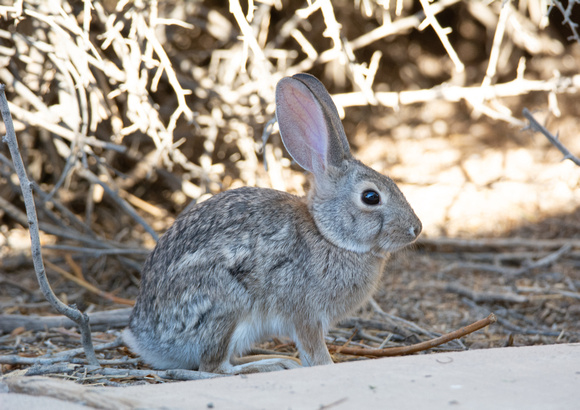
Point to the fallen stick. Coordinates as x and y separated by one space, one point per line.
403 350
64 356
508 271
111 319
84 372
487 297
499 243
509 325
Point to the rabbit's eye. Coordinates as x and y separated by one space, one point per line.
371 197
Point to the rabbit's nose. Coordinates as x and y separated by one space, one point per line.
415 230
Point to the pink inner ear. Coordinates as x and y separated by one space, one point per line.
302 125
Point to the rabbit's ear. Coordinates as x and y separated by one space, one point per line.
309 123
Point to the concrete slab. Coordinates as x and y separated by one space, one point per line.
537 377
26 402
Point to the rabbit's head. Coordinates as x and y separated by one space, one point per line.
353 206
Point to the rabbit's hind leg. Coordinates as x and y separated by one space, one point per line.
218 362
221 355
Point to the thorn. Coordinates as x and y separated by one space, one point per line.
557 136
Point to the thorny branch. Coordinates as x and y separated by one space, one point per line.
567 16
442 34
537 127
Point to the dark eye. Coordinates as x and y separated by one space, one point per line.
371 197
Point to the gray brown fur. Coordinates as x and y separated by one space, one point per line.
251 263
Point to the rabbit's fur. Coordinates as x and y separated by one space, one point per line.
251 263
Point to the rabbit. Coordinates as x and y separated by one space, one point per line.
251 263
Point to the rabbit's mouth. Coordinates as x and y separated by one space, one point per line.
394 243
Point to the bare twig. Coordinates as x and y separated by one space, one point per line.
99 251
98 100
68 233
110 319
399 26
91 373
549 259
64 356
173 374
403 350
375 324
44 197
510 326
536 126
456 93
71 312
549 292
484 267
489 297
495 49
392 318
248 36
507 271
567 16
88 175
497 243
442 33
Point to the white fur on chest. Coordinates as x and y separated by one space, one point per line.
256 328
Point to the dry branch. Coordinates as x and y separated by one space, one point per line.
567 15
442 34
72 313
485 297
498 243
400 26
112 319
507 324
360 323
412 326
88 175
64 356
455 93
403 350
554 140
509 271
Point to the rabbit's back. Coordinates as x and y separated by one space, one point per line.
227 226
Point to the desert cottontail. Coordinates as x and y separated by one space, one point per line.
251 263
